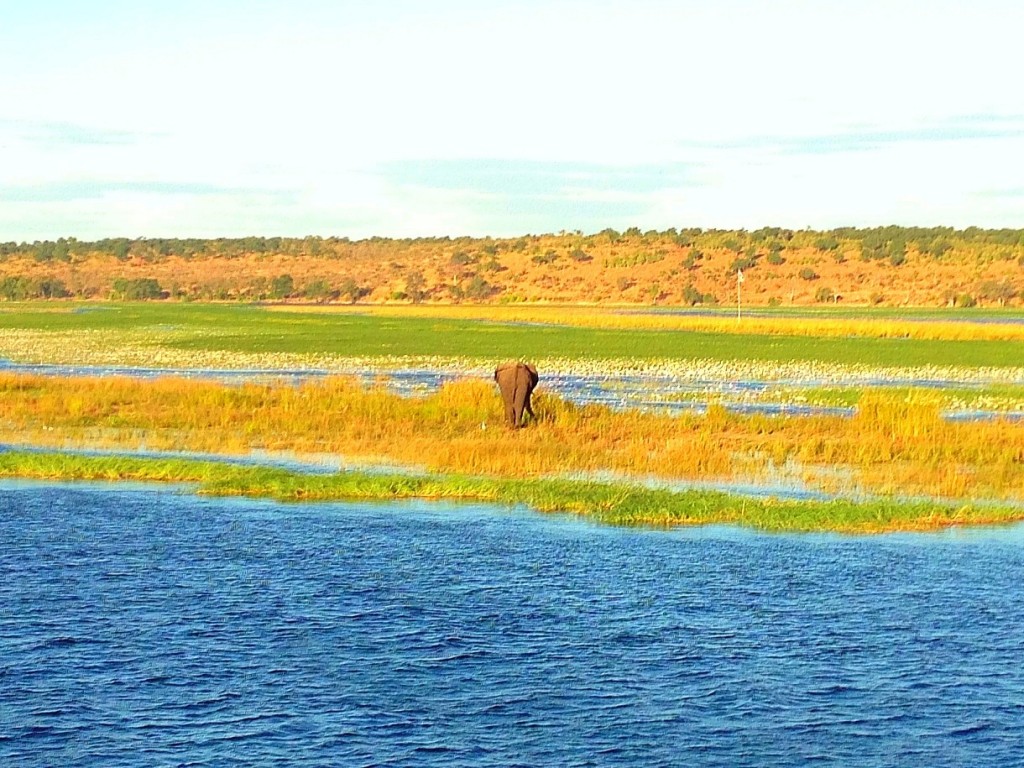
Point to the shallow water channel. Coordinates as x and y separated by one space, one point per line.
146 626
649 391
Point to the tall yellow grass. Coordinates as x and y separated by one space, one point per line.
595 317
897 443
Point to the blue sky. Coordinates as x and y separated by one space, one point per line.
401 118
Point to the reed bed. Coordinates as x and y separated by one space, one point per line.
897 444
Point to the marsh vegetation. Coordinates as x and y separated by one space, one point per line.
609 503
898 444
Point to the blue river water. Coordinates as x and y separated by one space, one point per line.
146 626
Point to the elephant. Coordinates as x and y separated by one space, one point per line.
516 380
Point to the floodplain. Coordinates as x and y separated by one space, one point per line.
905 421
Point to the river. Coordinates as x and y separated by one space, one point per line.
148 626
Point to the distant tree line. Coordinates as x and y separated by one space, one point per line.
467 269
890 243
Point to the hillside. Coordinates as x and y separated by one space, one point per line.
886 266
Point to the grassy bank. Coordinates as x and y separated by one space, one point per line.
183 335
614 504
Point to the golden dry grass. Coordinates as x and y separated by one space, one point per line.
597 317
896 444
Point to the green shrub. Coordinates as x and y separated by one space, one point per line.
137 289
744 262
827 242
282 286
15 288
319 290
479 289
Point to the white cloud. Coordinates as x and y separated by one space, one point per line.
794 112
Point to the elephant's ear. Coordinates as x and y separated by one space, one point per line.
534 376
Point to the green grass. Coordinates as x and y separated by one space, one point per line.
249 329
832 397
608 503
995 397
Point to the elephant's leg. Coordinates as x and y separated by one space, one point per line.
510 411
529 410
520 400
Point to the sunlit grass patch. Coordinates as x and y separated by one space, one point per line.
196 335
898 442
828 323
613 504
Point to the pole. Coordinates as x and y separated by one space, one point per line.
739 298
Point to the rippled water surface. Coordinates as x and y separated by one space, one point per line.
140 626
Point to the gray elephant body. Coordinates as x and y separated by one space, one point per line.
516 380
